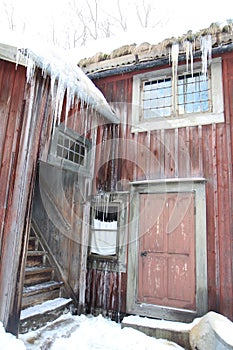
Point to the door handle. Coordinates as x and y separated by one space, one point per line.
144 253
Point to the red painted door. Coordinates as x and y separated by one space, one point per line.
167 250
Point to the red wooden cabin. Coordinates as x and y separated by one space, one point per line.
133 208
172 170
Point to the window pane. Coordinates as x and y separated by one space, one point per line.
157 98
193 94
60 140
70 149
59 151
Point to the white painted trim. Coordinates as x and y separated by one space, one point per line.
158 123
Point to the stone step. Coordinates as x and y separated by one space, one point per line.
212 331
37 316
177 332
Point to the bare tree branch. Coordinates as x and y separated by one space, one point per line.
144 15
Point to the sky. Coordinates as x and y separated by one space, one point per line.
173 18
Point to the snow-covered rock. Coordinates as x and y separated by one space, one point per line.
213 331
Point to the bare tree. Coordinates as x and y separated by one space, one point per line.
9 11
143 13
82 21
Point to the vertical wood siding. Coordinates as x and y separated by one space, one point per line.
22 109
204 151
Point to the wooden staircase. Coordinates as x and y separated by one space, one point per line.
42 282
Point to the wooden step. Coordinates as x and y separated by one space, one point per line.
33 243
36 258
36 294
37 316
41 287
37 275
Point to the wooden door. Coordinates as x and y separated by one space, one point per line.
167 250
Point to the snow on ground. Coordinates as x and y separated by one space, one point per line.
8 341
84 333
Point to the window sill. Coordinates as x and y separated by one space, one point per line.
179 122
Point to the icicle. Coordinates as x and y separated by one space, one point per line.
136 156
191 58
189 52
30 66
59 98
107 202
174 58
206 49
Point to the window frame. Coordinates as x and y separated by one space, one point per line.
92 229
116 262
216 115
54 159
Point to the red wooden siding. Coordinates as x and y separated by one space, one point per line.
204 151
22 108
105 292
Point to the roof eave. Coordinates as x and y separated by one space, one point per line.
151 63
10 53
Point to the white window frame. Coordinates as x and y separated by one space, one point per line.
54 159
216 115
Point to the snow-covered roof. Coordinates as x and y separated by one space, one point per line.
138 56
64 72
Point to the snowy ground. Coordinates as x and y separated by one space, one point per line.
84 333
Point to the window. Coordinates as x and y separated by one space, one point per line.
193 94
157 98
161 101
108 231
70 150
104 231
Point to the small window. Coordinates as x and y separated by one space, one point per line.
104 231
163 101
157 98
193 94
70 150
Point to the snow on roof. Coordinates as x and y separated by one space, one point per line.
151 48
63 71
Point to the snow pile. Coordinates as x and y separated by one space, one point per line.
101 333
8 341
91 333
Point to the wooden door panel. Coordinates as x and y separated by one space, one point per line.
152 285
180 227
151 222
179 282
167 250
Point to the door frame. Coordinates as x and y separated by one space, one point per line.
196 186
